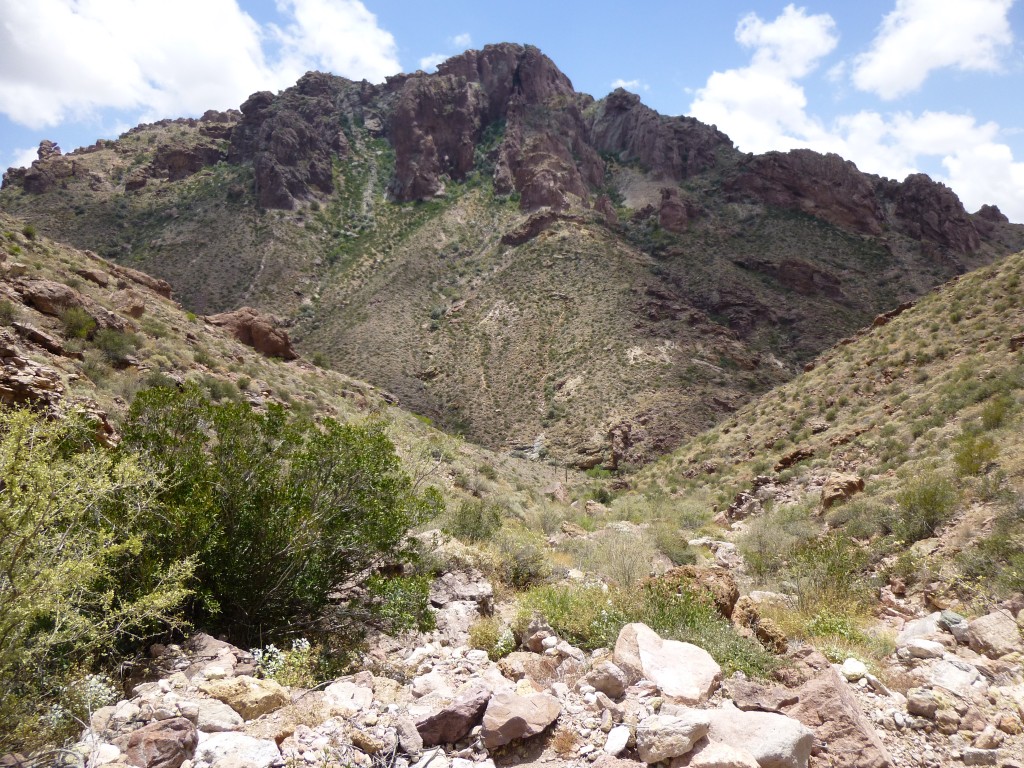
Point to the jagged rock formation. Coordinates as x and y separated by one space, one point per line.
549 273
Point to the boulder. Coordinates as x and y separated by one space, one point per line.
714 754
662 737
247 695
753 696
510 716
618 739
839 487
215 716
608 678
243 750
826 705
994 635
256 330
470 586
453 721
924 627
775 741
920 648
683 672
162 744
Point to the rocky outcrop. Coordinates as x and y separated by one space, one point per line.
257 330
931 212
291 139
825 186
671 147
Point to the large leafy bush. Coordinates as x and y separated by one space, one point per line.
280 513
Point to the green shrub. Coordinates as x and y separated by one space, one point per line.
30 231
475 520
996 410
623 557
8 312
972 453
279 513
116 346
77 323
75 519
522 557
772 537
923 506
489 634
590 617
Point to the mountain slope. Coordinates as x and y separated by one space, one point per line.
514 259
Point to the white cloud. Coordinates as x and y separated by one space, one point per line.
920 36
63 59
22 158
761 106
429 63
764 107
340 36
465 40
630 85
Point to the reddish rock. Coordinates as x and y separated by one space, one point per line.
163 744
256 330
674 213
793 457
825 186
455 720
509 717
844 736
930 211
671 147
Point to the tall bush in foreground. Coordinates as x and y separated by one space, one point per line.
71 592
280 513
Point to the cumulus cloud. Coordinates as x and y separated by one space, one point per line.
465 40
63 59
22 158
630 85
764 107
921 36
429 63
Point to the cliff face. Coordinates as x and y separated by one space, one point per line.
512 258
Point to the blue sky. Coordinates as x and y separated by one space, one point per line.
897 86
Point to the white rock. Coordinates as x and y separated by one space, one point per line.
215 716
775 741
662 737
853 669
681 671
257 753
717 755
476 656
923 627
434 758
618 737
925 649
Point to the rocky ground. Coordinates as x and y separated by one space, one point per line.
953 694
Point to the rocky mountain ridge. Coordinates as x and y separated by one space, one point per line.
514 259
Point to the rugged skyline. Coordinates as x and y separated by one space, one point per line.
896 87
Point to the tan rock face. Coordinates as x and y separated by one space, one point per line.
510 716
839 487
994 635
248 696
